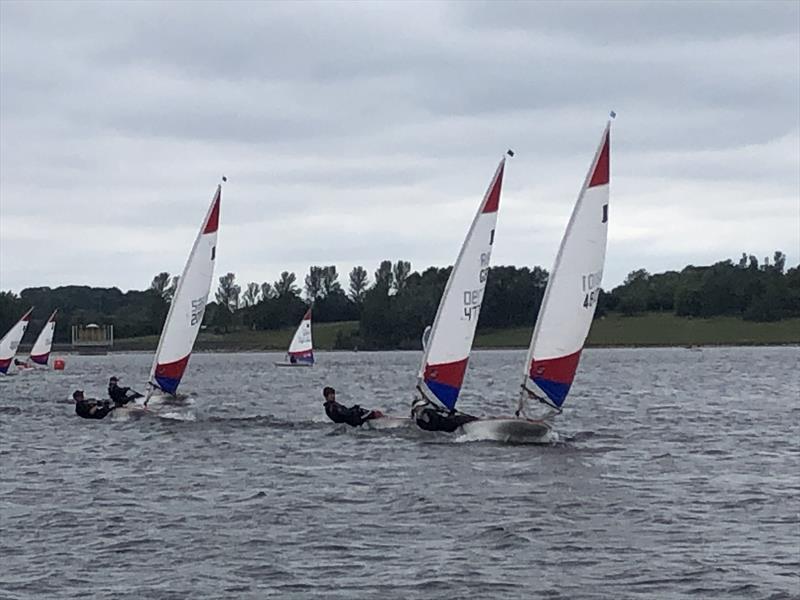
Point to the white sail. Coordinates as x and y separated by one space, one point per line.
188 305
10 341
40 353
447 350
302 347
572 289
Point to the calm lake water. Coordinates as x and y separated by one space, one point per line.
677 475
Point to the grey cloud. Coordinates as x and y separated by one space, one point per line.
374 128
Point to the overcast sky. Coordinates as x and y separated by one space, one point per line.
355 132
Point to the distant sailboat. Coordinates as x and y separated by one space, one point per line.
40 353
448 344
568 306
301 349
10 342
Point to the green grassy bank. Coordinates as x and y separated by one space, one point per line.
662 329
273 339
653 329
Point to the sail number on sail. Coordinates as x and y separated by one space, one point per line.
198 308
472 302
591 288
473 298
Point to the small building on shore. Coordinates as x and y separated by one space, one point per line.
92 338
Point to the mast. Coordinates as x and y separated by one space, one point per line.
178 340
565 364
447 373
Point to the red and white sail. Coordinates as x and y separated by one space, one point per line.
573 288
40 353
444 361
188 305
302 346
10 341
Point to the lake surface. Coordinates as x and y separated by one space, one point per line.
677 475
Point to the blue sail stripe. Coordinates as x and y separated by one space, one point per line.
556 392
446 394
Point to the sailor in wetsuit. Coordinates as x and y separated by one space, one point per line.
90 408
338 413
119 394
430 418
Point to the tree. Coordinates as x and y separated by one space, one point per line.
250 296
383 276
11 309
160 284
743 261
285 286
228 293
638 275
330 281
661 291
512 296
779 261
358 285
266 291
633 293
400 272
313 283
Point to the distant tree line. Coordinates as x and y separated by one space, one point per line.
746 289
395 307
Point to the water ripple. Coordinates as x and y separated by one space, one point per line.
675 476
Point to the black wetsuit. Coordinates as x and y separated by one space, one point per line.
120 395
83 409
431 419
355 415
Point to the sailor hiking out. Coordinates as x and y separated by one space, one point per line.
355 416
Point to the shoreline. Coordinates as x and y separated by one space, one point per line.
649 330
69 351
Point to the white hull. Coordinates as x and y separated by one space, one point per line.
509 429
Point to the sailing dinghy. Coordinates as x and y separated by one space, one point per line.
449 342
567 310
184 317
301 349
10 342
40 353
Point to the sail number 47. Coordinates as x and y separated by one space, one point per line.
472 303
